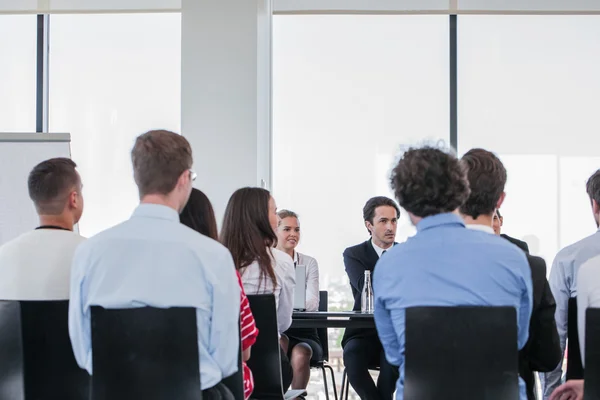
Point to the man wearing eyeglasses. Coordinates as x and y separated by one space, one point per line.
153 260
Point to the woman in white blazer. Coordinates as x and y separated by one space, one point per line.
304 344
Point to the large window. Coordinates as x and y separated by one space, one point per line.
529 90
17 73
348 92
112 77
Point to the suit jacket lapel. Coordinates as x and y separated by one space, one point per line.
370 255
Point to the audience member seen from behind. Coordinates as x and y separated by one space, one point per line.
487 178
588 296
248 231
444 264
304 344
37 264
199 215
563 278
154 260
362 347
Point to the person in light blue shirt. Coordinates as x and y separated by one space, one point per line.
563 279
154 260
444 264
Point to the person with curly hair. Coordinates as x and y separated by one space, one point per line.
444 264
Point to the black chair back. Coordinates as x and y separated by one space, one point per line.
592 353
461 353
235 382
265 361
145 353
37 360
322 332
574 364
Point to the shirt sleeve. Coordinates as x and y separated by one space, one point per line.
248 329
286 294
562 293
79 316
584 277
224 329
387 321
312 285
526 305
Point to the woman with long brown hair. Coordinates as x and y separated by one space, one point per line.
248 232
198 214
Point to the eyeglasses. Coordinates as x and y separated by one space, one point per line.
193 175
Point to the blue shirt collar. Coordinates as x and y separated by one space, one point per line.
156 211
437 220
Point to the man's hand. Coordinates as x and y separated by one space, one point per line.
571 390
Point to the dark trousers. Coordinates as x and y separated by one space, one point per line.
360 353
217 392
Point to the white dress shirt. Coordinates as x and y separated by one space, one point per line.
255 283
588 296
312 280
482 228
378 249
37 265
154 260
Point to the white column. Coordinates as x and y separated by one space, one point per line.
226 94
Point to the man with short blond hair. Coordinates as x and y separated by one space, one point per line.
154 260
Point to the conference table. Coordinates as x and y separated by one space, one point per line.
332 319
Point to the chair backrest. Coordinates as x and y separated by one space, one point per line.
461 353
574 363
145 353
235 382
265 361
592 353
322 332
37 360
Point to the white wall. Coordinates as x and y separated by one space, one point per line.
225 95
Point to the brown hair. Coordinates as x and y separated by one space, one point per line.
247 232
199 215
373 203
592 187
159 158
428 181
283 214
50 183
487 178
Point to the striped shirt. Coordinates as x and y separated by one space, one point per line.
248 335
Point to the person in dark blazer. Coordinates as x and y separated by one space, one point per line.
542 352
362 348
498 221
519 243
487 178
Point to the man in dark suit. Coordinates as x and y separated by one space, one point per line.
498 221
487 178
362 348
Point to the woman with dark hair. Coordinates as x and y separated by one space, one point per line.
198 214
248 232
